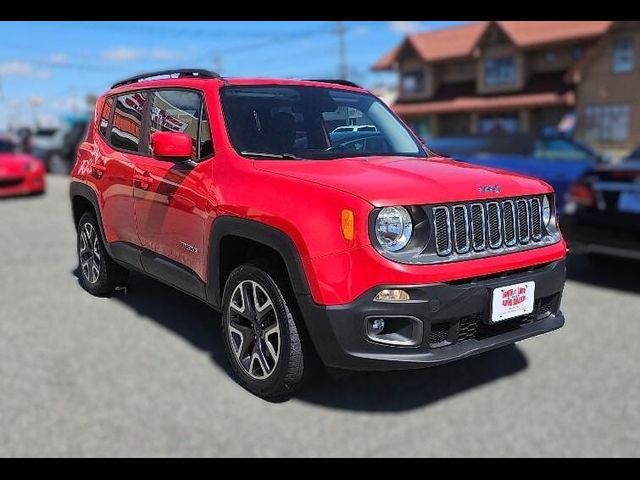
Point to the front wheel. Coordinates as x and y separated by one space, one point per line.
268 354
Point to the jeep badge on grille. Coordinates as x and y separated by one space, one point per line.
489 188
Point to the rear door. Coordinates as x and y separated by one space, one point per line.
172 200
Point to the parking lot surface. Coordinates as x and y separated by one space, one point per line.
144 373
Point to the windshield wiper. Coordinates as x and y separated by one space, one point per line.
284 156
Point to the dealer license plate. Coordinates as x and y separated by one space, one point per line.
512 301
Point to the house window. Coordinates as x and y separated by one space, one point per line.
608 122
576 53
549 57
499 71
499 123
623 57
413 82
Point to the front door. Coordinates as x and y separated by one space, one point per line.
171 200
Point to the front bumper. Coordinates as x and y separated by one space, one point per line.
29 184
454 318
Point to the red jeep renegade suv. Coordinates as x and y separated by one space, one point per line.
359 247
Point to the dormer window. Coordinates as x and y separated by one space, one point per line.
499 71
623 55
412 82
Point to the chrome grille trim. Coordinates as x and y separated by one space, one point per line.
468 230
494 223
536 219
461 229
478 223
442 225
524 221
509 222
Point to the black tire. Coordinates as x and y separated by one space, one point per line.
296 359
109 274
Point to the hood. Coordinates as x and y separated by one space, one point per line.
15 164
385 181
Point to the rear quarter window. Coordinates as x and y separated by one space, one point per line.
106 116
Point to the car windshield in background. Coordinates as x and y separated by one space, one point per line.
294 122
6 147
548 148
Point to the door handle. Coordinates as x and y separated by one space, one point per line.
143 181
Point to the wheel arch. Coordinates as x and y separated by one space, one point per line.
82 198
226 229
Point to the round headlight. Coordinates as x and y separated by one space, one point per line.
546 210
393 228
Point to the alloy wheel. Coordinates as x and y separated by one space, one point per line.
89 253
254 330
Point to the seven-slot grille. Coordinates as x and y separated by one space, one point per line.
482 226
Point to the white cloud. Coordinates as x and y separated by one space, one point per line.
20 68
405 27
164 54
127 54
58 58
122 54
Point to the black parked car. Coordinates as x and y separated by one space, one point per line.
602 211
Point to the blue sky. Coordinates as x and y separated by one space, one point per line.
48 68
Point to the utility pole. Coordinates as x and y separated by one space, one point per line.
342 50
217 61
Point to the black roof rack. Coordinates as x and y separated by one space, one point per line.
346 83
181 72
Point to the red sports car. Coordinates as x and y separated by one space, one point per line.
20 174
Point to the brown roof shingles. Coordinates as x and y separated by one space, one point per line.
459 41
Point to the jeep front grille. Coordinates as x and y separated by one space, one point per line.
488 227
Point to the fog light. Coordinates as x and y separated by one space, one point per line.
377 326
391 296
397 330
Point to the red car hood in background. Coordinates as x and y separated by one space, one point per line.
407 180
14 164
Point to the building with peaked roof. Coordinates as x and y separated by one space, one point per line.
607 83
520 76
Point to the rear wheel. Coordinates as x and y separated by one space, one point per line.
269 355
99 274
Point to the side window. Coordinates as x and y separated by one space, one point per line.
127 121
178 111
105 116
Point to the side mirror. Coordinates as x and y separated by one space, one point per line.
174 145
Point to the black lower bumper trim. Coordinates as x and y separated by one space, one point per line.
454 315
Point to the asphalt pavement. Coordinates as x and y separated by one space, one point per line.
144 373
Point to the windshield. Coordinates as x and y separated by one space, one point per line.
308 122
6 146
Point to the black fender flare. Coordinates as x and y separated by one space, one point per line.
267 235
78 189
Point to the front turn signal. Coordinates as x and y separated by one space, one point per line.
346 221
